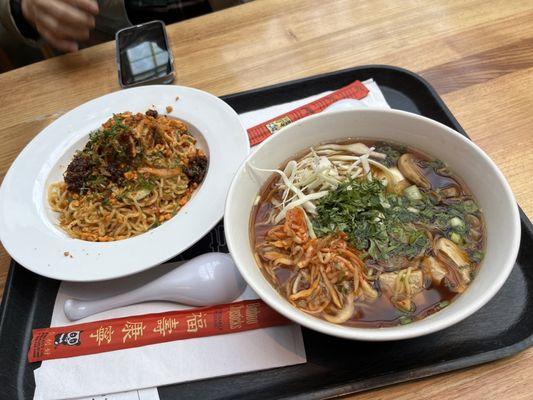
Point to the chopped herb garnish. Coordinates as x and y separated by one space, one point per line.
383 225
373 219
144 183
393 153
444 303
476 256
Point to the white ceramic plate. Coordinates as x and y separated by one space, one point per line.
29 229
481 175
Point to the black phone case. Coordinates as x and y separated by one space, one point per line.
169 78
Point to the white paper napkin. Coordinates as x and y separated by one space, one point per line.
118 375
163 363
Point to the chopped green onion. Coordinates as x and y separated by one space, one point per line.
140 194
412 193
405 320
470 207
383 201
477 256
444 303
457 222
456 238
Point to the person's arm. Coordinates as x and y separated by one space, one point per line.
61 23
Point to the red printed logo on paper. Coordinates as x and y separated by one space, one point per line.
276 125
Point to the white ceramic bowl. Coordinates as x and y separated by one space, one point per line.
466 159
29 229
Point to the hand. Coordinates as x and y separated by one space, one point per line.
62 23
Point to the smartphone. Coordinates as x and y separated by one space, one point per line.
143 55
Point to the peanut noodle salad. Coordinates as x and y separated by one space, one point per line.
136 172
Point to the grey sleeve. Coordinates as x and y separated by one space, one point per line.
7 22
112 17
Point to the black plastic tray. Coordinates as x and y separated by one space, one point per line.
335 366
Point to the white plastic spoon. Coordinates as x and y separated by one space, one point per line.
206 280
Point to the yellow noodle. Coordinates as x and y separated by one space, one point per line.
95 217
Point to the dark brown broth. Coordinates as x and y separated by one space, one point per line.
380 313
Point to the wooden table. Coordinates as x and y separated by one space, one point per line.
477 54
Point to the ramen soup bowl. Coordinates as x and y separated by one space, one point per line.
466 160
